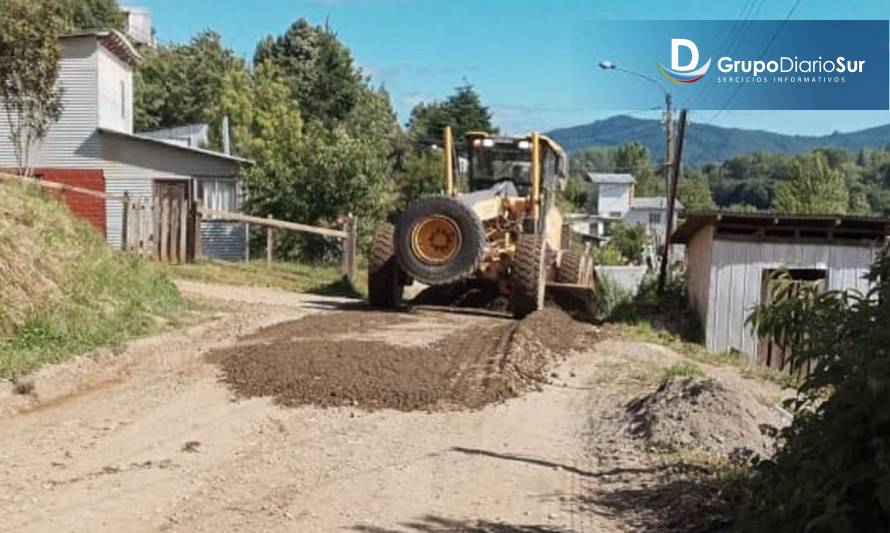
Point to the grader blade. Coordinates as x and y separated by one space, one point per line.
573 297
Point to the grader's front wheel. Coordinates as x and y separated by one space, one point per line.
529 275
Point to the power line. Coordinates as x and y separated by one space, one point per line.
765 50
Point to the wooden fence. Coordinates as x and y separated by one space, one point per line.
169 230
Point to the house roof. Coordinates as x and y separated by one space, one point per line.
654 202
596 177
775 226
157 142
114 41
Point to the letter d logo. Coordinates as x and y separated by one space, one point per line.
687 73
675 54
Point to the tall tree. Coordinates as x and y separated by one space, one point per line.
182 83
814 188
317 67
463 111
634 158
78 15
29 64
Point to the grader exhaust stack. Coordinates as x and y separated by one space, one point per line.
505 230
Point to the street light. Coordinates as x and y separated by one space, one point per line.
669 126
608 65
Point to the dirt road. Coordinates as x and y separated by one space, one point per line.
153 438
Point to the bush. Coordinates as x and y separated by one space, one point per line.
833 474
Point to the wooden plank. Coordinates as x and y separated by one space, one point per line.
164 231
199 242
156 225
269 245
183 230
173 215
62 187
272 222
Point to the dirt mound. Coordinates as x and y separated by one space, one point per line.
702 413
348 358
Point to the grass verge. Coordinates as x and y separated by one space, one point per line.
64 292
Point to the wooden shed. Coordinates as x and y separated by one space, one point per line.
731 257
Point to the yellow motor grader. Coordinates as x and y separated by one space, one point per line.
504 230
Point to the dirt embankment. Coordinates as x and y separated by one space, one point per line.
342 359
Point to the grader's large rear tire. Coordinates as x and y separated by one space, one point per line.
529 275
384 276
439 240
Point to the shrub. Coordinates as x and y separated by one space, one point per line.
833 474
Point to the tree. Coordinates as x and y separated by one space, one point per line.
629 239
182 84
305 171
79 15
694 191
573 198
463 111
634 159
422 175
29 64
814 188
318 69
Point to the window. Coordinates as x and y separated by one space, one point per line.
220 194
123 99
615 214
655 218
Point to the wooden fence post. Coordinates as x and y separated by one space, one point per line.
269 244
247 242
125 222
348 244
198 218
164 232
173 215
156 224
183 230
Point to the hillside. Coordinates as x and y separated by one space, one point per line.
707 143
62 290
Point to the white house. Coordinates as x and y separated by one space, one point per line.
731 258
615 201
93 145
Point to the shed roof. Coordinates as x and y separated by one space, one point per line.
597 177
114 41
784 227
157 142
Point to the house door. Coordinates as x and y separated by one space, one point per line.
792 283
173 236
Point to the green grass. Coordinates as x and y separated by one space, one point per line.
645 331
322 279
683 370
65 292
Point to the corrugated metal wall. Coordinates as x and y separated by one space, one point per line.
223 240
72 142
736 277
132 166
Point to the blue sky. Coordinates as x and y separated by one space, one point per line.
517 53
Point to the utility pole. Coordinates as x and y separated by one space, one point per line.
674 171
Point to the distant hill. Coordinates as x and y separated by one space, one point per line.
707 143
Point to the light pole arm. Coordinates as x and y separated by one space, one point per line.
667 95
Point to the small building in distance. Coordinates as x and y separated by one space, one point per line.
731 259
615 200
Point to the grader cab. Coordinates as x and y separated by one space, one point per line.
504 229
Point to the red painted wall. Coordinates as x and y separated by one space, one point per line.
82 206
